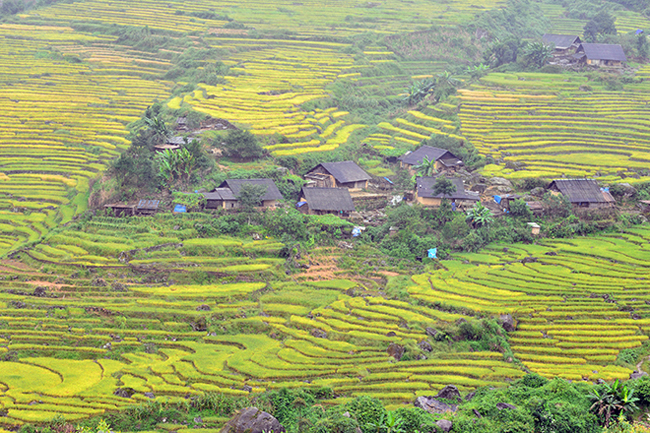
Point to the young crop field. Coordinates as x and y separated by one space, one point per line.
578 303
546 125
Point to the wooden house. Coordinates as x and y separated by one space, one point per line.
120 209
269 199
445 160
147 207
345 174
220 198
610 55
173 143
563 44
321 201
584 193
461 198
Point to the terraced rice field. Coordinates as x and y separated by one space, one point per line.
578 305
63 121
557 125
70 350
308 18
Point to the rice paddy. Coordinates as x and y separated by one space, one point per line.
550 125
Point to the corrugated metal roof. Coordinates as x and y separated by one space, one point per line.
148 204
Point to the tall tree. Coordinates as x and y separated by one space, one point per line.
444 186
601 24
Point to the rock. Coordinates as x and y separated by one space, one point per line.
198 420
498 190
460 321
507 322
449 392
508 406
529 260
98 282
431 332
248 388
118 287
600 382
479 187
499 181
149 395
538 192
434 406
203 307
424 345
391 334
638 374
252 420
550 253
124 392
396 351
40 292
478 415
445 425
470 396
627 189
318 333
346 414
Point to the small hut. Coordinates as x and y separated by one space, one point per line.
321 201
345 174
220 198
583 193
147 207
269 199
445 160
460 199
563 44
609 55
120 209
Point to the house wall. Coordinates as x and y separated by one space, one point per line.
270 203
428 201
361 184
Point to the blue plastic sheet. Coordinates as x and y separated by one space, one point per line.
497 198
433 253
179 208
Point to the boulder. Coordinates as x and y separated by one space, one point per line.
424 345
431 332
502 406
40 292
538 192
318 333
627 189
499 181
498 190
203 307
449 392
638 374
445 425
396 351
118 287
252 420
470 396
124 392
507 322
477 413
434 406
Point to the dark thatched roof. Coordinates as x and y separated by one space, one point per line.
345 171
561 42
328 199
433 153
235 185
603 52
579 190
425 189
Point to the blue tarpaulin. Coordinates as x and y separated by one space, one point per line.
433 253
301 203
497 198
356 232
388 180
638 32
179 208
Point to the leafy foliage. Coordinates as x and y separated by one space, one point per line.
242 145
600 25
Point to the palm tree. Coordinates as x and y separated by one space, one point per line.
426 167
605 403
479 216
157 126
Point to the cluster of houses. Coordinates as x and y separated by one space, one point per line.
570 49
331 188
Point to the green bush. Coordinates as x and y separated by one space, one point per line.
366 410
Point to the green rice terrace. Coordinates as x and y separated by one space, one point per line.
165 315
